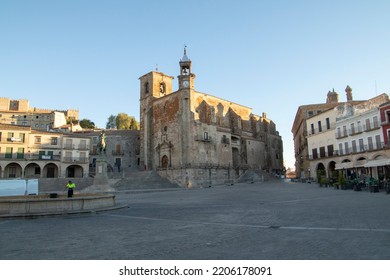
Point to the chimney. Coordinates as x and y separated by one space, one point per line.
348 90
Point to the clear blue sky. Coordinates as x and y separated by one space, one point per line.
272 56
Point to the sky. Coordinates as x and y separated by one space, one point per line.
271 56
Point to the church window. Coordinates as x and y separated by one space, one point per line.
146 85
162 88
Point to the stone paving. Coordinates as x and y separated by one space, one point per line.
273 220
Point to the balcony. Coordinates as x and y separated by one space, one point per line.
118 153
75 160
341 134
30 157
203 138
74 147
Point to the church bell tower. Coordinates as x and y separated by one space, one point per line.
186 77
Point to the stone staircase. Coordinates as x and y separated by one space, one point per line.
143 180
255 175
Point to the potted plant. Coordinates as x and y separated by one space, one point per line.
341 182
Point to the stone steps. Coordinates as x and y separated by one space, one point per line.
143 180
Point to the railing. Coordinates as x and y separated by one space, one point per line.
13 140
202 138
75 159
16 156
359 129
117 153
73 147
324 128
353 150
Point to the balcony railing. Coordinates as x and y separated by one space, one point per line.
74 147
359 129
353 150
30 157
75 159
117 153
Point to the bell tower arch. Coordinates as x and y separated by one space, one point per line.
186 77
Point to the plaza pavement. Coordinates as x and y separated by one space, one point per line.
274 220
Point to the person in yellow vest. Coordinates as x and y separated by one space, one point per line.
70 186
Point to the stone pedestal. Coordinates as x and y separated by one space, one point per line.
101 177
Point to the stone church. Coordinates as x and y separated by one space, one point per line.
196 139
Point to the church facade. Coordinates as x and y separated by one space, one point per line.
197 139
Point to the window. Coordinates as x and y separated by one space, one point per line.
345 130
312 128
327 123
378 142
354 147
10 136
370 144
322 152
146 85
361 145
83 144
205 136
388 116
20 154
346 146
330 150
319 126
341 149
37 140
376 124
22 137
352 128
338 132
368 125
315 153
54 140
359 126
162 88
8 152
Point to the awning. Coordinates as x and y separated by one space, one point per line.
378 162
344 165
360 163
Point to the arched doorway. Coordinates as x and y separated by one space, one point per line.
13 170
50 171
320 171
332 173
164 161
32 170
74 171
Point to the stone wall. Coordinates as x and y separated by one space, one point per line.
48 185
201 177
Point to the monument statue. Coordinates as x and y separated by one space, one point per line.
101 145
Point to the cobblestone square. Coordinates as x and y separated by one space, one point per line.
274 220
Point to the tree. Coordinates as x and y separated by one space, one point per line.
86 123
111 122
134 125
124 121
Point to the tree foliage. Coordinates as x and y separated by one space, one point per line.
122 121
111 122
86 123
